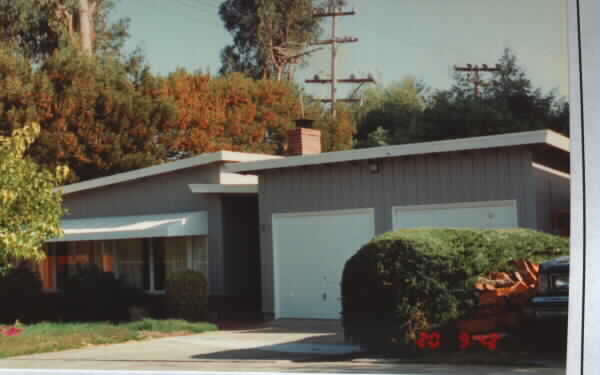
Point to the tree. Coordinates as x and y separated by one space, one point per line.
93 117
31 209
337 133
406 112
269 36
235 112
392 112
509 103
39 27
232 112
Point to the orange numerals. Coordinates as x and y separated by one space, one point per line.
489 341
431 340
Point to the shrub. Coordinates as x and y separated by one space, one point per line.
20 292
187 295
418 279
93 295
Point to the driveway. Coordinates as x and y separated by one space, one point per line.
279 346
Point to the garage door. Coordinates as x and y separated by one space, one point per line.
310 250
484 215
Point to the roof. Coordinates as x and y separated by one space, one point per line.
538 137
196 161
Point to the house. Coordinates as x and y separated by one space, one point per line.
275 232
148 223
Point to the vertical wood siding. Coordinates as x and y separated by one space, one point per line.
497 174
553 195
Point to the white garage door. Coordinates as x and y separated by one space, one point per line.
484 215
310 250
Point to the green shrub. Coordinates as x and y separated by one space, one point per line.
93 295
187 295
20 292
417 279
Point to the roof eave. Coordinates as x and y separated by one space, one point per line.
547 137
196 161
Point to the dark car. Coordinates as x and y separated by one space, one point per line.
552 296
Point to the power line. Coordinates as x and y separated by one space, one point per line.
199 4
197 7
476 78
333 12
178 15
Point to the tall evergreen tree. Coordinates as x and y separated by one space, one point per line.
39 27
269 36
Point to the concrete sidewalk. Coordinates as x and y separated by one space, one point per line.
280 346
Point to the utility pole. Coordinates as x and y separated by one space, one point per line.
474 70
333 12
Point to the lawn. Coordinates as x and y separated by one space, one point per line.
51 337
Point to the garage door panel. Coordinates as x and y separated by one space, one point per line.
310 251
483 215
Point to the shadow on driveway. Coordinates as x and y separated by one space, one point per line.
288 339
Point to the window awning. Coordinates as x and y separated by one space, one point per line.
145 226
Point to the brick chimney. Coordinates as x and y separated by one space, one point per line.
303 140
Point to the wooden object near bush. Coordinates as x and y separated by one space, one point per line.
502 298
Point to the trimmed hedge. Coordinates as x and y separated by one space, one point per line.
187 296
419 279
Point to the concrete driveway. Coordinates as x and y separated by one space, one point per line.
279 346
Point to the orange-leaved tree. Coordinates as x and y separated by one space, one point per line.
93 118
233 112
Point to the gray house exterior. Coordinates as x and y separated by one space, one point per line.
272 233
527 170
229 235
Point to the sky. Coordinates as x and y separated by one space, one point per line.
397 38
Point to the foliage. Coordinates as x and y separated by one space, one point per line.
30 209
420 279
93 117
170 325
235 112
232 112
93 295
51 337
337 133
38 28
507 103
266 33
395 109
18 288
187 295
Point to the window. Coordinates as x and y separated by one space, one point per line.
141 263
69 257
132 261
174 254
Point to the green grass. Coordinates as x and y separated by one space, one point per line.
51 337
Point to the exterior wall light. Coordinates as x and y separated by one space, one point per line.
374 166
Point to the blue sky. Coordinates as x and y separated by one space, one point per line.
397 38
